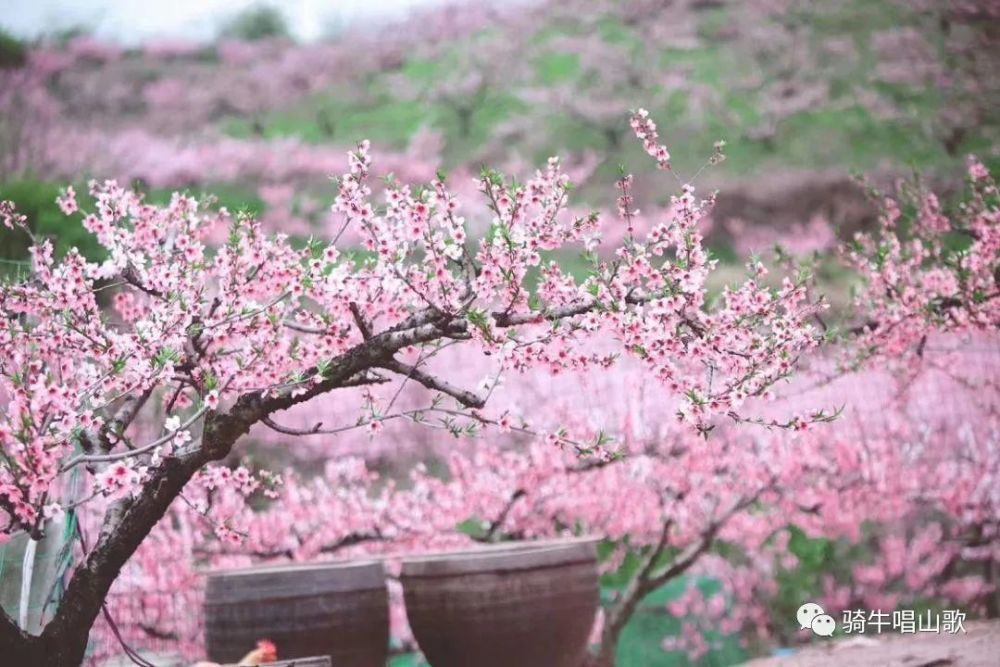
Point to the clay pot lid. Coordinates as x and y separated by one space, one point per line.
293 579
504 557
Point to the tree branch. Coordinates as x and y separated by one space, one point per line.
117 424
349 540
502 517
131 276
637 589
287 430
366 331
685 560
646 581
128 524
466 398
106 458
131 522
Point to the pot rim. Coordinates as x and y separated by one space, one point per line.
272 582
502 557
340 564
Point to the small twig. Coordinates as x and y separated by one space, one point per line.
104 458
466 398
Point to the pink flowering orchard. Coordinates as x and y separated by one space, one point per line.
930 271
672 506
209 341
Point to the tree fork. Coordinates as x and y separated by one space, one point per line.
63 642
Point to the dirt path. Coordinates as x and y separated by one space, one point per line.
980 647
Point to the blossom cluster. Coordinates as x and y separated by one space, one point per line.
930 270
195 329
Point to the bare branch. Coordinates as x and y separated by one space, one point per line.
131 276
497 523
504 320
287 430
466 398
362 379
689 556
122 419
301 328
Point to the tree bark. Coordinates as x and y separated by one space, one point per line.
63 642
16 645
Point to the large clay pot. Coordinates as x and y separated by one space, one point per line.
526 605
335 609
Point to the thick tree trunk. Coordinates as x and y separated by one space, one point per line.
17 646
63 642
33 650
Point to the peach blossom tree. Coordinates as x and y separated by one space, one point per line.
218 339
674 505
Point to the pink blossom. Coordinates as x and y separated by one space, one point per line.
67 202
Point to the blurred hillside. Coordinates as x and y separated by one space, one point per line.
803 93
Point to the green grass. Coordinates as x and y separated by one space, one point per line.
422 70
340 118
37 201
613 32
235 197
553 68
858 16
640 644
714 22
497 107
548 32
389 122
